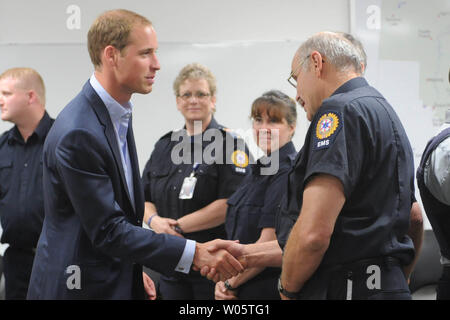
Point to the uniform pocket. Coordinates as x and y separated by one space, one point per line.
158 171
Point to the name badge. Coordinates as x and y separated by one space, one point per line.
188 187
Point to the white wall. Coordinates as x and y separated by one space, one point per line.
248 44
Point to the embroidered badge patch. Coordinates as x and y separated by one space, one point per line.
239 159
328 124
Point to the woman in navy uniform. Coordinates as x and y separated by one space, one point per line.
252 208
190 176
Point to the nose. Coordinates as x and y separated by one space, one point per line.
154 63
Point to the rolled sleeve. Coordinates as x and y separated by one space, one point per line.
437 173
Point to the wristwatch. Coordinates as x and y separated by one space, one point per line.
178 229
284 292
228 286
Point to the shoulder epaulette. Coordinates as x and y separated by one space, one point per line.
167 135
231 132
4 135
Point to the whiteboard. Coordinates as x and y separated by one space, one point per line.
408 49
244 70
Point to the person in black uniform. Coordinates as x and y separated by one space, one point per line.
191 174
354 178
433 182
22 102
288 213
251 209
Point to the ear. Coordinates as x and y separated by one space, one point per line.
317 62
32 97
110 55
292 130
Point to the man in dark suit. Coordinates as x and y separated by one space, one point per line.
92 245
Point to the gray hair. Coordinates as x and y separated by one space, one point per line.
337 50
359 46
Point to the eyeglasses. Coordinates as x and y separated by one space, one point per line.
199 95
292 81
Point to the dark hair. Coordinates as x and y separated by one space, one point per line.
278 106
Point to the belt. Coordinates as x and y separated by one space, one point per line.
386 261
357 279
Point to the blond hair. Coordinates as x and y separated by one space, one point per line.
112 28
195 71
27 79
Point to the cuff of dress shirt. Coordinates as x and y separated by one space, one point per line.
185 263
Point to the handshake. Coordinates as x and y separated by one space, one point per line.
219 260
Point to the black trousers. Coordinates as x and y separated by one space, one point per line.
186 287
443 287
17 266
370 279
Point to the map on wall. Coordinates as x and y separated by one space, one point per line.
420 31
408 49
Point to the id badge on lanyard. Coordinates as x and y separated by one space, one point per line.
188 187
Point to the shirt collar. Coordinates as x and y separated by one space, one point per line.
212 125
116 110
351 84
285 153
41 130
44 126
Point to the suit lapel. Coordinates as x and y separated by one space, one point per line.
104 118
138 191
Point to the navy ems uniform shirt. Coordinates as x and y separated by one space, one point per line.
252 208
163 179
21 193
357 137
254 204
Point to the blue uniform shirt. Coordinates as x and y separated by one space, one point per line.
21 194
254 204
357 137
163 179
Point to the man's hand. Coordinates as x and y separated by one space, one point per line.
149 286
221 292
164 225
233 247
221 261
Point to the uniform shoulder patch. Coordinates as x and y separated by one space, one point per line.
327 127
240 160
